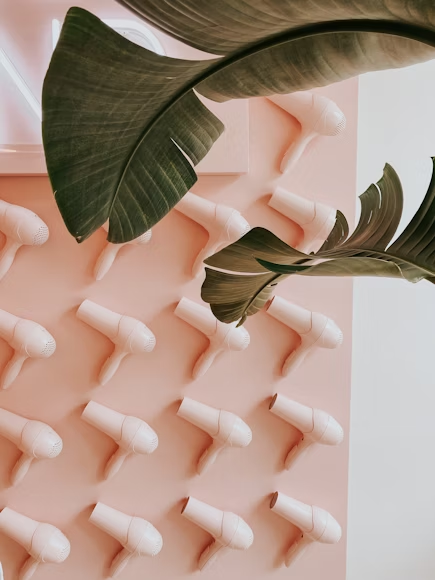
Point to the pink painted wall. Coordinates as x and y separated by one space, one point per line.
47 285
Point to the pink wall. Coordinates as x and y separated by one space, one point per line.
47 285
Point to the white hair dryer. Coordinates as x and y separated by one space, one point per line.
34 439
131 434
315 330
315 524
136 536
315 219
224 224
45 543
129 335
222 336
226 429
315 425
21 227
230 531
316 114
28 339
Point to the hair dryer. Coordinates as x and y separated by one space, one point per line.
226 429
21 227
28 339
221 336
34 439
316 219
108 255
131 434
316 114
314 329
137 536
230 532
315 524
129 335
315 425
45 543
224 224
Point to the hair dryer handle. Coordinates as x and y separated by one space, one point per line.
12 370
21 468
120 562
7 256
209 249
204 362
29 568
115 462
297 451
209 457
294 360
211 554
111 366
294 152
106 259
297 549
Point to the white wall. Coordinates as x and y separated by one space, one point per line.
392 446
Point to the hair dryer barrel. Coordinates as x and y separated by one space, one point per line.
200 415
12 425
105 419
18 527
292 315
8 323
197 208
102 319
198 316
203 515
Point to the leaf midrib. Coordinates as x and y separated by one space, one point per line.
389 257
410 31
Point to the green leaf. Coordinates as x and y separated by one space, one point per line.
341 267
235 297
114 146
224 26
338 234
257 243
367 252
122 126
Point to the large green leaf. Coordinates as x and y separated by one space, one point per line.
224 26
367 252
109 150
122 126
235 297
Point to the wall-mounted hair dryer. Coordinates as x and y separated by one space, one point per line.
224 224
314 329
230 531
34 439
136 536
226 429
129 335
131 434
45 543
315 425
108 255
316 114
21 227
316 219
315 524
221 336
28 339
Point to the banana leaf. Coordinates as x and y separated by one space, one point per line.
368 251
123 128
